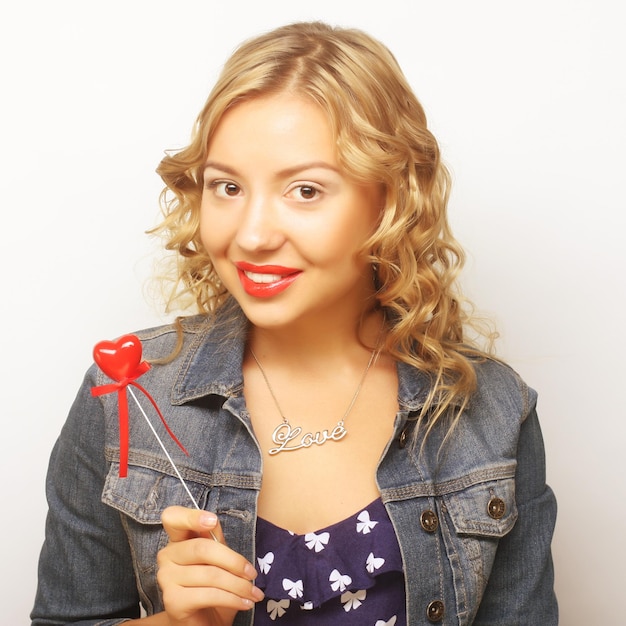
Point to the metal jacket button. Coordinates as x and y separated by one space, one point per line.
429 521
496 508
435 611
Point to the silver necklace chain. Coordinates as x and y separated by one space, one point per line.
287 437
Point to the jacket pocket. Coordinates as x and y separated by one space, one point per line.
146 492
487 509
141 498
476 519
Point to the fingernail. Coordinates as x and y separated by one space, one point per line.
249 572
257 594
209 520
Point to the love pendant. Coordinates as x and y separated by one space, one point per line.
287 438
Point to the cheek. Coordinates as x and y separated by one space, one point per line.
349 235
206 239
212 231
339 247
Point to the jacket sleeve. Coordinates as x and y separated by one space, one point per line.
520 590
85 568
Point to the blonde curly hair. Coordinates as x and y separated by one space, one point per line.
382 137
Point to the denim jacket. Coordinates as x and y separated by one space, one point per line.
473 515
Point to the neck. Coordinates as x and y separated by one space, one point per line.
324 343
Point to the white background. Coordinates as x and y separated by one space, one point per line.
528 102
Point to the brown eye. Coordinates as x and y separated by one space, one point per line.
307 192
224 188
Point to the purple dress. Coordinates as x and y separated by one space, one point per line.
348 573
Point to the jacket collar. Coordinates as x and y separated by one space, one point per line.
212 365
212 362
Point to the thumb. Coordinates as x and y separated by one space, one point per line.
182 523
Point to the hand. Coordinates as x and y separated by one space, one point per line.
204 582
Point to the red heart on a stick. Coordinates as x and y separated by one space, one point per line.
119 359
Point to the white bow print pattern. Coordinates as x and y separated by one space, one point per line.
373 563
353 600
339 581
316 542
293 588
336 572
365 524
277 608
265 563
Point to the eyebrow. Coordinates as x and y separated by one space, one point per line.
289 171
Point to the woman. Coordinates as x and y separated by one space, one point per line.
354 457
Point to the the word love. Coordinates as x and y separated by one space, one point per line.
287 438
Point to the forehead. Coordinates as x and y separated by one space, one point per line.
273 124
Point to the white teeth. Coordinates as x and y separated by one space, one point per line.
263 278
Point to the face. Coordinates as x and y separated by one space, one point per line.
281 222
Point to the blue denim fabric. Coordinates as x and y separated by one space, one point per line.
466 567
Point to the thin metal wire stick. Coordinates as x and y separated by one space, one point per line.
169 458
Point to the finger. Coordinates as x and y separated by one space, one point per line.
181 523
188 588
181 603
206 552
210 577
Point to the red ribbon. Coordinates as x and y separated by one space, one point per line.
121 361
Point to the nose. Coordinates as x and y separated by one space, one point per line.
259 228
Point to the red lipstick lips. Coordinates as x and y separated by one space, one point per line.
265 281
